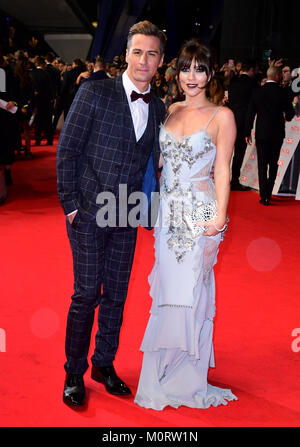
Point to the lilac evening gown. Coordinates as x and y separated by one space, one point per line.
178 342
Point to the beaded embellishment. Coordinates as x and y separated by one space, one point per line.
179 195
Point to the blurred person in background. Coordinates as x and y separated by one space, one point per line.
239 94
8 120
158 83
123 63
54 74
97 73
43 101
272 107
69 87
217 91
263 81
58 108
26 100
238 67
172 85
228 72
286 82
112 71
99 69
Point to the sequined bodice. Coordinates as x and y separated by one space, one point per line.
185 183
187 164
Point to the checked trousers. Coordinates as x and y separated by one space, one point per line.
102 261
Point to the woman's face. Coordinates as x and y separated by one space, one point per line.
193 79
238 66
167 77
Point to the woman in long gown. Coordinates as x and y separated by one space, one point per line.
177 345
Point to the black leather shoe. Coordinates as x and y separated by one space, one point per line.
8 179
113 384
3 198
265 202
239 187
74 391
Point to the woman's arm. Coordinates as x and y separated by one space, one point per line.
225 144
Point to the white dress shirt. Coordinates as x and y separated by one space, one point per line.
139 109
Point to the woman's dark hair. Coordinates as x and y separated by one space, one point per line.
79 63
216 91
193 49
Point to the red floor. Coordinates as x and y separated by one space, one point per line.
258 308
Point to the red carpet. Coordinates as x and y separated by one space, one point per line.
257 279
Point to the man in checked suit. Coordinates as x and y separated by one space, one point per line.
110 137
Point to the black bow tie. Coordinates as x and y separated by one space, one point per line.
135 95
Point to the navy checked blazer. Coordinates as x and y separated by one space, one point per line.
91 150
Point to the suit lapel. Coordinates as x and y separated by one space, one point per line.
123 119
155 120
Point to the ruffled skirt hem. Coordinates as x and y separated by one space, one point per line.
214 397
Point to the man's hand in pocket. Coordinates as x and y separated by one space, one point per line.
71 216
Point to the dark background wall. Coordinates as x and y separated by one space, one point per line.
251 28
234 28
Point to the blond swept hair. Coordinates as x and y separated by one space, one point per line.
147 29
272 72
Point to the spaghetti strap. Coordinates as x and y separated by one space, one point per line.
167 119
168 116
214 114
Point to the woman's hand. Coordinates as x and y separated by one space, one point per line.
71 216
10 105
84 74
213 226
160 163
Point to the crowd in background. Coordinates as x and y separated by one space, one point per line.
43 88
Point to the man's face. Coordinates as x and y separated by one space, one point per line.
286 74
238 66
113 71
278 76
251 72
143 58
167 77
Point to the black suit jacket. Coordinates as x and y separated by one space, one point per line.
239 95
91 152
55 79
69 87
42 86
272 106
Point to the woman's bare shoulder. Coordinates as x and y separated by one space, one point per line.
174 107
224 115
226 124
